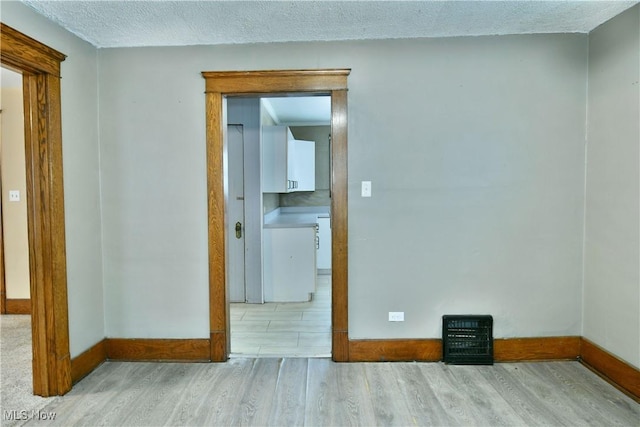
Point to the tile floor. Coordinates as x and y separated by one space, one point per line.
284 329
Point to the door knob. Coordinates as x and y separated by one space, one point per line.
238 230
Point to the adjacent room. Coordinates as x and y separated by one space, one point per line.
279 204
183 205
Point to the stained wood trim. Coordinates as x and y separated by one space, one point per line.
395 350
220 344
602 362
174 350
505 350
85 363
543 348
26 54
273 81
18 306
45 217
241 83
40 67
218 298
622 374
339 228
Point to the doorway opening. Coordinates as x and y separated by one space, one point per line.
278 163
15 304
40 69
14 239
223 85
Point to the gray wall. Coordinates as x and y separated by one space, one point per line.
79 88
474 146
612 233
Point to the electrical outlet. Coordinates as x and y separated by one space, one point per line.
14 195
396 316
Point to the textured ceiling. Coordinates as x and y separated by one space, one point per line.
177 23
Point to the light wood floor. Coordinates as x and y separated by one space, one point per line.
284 329
319 392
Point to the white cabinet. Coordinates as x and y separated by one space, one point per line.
277 164
324 244
289 264
304 167
287 164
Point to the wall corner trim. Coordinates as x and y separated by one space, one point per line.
616 371
87 362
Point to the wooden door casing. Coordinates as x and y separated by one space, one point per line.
241 83
40 68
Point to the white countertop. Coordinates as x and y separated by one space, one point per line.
290 217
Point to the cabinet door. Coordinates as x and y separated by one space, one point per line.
324 244
289 264
304 165
276 162
292 183
287 164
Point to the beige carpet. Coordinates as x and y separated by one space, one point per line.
16 391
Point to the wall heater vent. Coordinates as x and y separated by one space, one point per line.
467 339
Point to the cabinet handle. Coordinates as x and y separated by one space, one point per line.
317 242
238 230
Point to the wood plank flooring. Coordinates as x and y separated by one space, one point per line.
319 392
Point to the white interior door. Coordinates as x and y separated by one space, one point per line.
235 206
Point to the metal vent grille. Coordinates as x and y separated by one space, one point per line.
467 339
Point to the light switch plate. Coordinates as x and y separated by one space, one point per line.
14 195
366 188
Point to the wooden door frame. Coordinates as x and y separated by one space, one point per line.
3 286
242 83
40 68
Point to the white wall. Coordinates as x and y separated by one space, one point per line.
475 147
612 232
14 214
81 172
